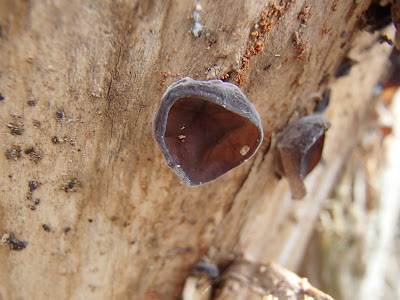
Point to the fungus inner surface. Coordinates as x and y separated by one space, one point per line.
206 140
312 156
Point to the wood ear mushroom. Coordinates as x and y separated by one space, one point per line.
206 128
300 147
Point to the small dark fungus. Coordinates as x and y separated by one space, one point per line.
2 97
32 103
16 129
36 124
14 153
207 268
55 140
32 185
72 185
46 227
206 128
36 156
29 150
300 146
345 67
60 115
202 281
13 242
323 104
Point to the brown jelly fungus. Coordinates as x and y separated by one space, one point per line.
300 146
206 268
345 67
206 128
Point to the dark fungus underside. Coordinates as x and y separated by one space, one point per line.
312 157
206 139
301 145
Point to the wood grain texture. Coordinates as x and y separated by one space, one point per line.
121 224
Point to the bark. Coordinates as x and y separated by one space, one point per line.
83 182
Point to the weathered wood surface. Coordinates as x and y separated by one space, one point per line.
120 224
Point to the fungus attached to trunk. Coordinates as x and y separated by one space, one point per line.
300 146
206 128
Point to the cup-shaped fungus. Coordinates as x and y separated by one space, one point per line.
206 128
300 146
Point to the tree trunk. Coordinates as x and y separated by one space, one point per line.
84 184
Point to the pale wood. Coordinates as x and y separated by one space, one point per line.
252 281
135 229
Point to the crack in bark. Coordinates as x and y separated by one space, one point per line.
112 77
